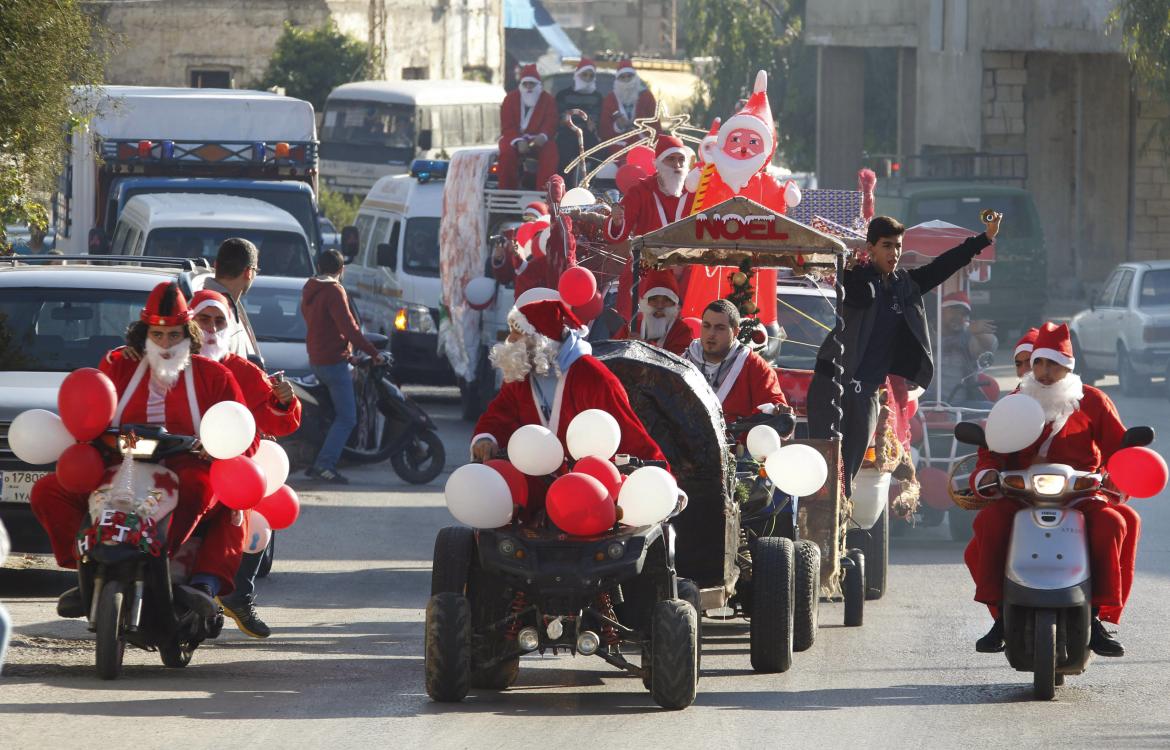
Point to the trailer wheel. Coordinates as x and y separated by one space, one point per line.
773 604
808 594
853 588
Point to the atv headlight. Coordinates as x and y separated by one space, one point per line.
1048 484
415 318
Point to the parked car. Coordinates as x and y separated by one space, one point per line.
806 311
53 320
330 237
1126 330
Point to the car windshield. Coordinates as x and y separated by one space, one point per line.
806 319
281 253
1155 289
275 313
963 211
60 330
420 249
370 123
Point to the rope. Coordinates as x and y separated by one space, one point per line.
803 314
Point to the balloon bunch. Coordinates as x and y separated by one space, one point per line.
795 469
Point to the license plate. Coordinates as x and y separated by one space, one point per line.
15 486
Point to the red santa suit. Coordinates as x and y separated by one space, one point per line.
743 381
612 109
202 384
678 337
1085 440
584 384
519 122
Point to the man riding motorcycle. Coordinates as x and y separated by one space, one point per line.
1082 430
166 384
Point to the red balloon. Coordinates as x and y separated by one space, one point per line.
1138 471
281 508
580 505
588 312
603 471
696 326
80 469
577 286
86 402
238 482
935 488
517 482
641 157
627 176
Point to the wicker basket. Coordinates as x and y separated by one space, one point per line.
964 496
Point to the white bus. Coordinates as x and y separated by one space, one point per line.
377 128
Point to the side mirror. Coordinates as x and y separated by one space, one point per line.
387 256
378 340
970 434
425 141
350 243
1136 437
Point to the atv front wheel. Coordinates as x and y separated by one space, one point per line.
447 660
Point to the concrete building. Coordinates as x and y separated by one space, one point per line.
1045 78
644 27
229 42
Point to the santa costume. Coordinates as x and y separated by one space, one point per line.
1026 343
676 336
571 382
744 382
1082 430
628 100
178 407
524 116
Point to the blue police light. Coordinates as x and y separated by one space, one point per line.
168 149
259 150
425 170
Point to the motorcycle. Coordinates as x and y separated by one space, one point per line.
132 592
1047 595
389 424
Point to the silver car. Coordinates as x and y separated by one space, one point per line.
1126 330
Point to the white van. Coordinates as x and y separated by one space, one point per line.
394 279
377 128
192 225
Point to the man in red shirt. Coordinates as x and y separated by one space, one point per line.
331 335
628 101
743 381
528 125
658 321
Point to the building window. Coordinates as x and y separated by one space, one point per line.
477 73
414 74
211 79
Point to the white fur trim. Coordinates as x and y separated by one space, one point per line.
750 122
660 290
742 353
690 183
1022 348
672 150
530 78
212 303
517 320
956 303
627 69
761 82
1055 356
482 436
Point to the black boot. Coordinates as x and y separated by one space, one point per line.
69 604
1102 642
992 643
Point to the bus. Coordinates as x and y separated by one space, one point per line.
376 128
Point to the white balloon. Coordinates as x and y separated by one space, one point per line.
259 533
274 461
536 294
1015 422
593 432
535 451
478 496
479 292
578 196
38 436
763 441
797 469
647 496
227 429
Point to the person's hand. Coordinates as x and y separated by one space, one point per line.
522 147
992 227
385 358
237 518
540 140
621 124
988 483
979 327
483 450
131 354
618 215
283 391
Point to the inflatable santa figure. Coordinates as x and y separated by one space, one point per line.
658 321
739 160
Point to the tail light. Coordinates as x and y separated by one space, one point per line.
1155 334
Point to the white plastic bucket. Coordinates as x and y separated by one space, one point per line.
871 492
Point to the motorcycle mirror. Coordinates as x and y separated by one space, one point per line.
970 434
1137 437
986 359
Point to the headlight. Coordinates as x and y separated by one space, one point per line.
414 318
1048 484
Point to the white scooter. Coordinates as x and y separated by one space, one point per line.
1048 592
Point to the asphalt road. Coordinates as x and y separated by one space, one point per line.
344 666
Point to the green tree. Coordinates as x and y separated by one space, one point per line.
1145 31
339 208
46 48
309 63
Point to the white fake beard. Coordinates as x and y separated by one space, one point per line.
529 98
671 180
216 345
581 87
654 328
1058 400
516 359
736 172
627 91
167 364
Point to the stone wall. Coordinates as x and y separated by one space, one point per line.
1004 78
1151 182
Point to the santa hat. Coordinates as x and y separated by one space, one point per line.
957 299
206 298
536 208
1027 342
660 282
166 306
1054 342
667 145
625 66
755 116
529 73
586 64
546 317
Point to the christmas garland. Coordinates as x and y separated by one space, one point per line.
135 531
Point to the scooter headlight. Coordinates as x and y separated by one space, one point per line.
1048 484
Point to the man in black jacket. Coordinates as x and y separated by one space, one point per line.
582 95
882 332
